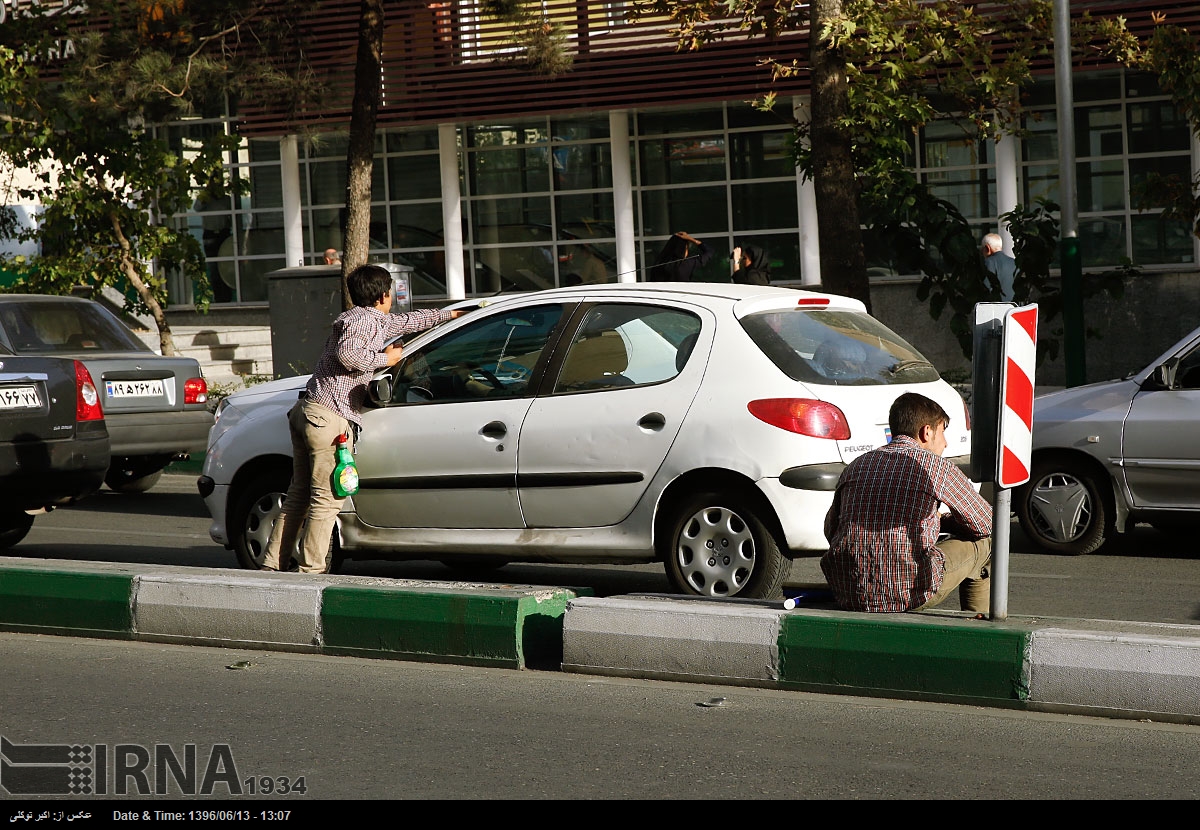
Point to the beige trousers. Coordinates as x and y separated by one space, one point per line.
310 505
967 564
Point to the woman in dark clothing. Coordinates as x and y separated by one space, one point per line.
751 266
677 262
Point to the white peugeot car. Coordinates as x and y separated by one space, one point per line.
702 425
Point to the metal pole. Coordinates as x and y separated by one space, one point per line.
1071 265
1001 514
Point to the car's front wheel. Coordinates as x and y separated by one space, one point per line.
1062 507
14 525
255 507
717 546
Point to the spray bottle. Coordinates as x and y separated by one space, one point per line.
345 473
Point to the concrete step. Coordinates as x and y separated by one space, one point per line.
227 355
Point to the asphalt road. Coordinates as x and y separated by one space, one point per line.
1145 576
379 729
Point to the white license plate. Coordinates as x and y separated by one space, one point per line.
20 397
134 388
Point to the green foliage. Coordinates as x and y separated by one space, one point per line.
108 183
541 44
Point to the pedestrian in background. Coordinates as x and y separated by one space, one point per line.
750 265
677 262
330 406
1002 266
331 257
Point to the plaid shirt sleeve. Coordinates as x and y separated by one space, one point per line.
968 509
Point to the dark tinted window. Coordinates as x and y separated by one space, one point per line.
40 327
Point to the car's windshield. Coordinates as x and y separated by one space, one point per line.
838 347
40 327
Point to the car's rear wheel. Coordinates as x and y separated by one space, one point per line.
717 546
256 507
1062 508
14 525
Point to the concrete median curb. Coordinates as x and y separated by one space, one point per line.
506 626
1107 668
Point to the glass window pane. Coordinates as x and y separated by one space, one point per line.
761 155
326 229
1101 241
327 182
1178 168
783 253
416 225
679 121
683 160
507 135
587 209
1156 126
1041 181
264 149
580 129
1098 131
697 210
945 144
266 186
627 345
1141 85
582 166
745 115
515 170
1101 185
764 205
1096 86
410 140
587 264
493 218
414 177
1041 144
1158 241
252 278
973 192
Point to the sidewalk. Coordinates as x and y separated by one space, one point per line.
1097 667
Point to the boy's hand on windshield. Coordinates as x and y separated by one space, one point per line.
393 352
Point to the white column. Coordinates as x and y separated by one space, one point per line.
1006 184
622 173
451 212
806 201
293 226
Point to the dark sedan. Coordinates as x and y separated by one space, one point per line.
156 407
53 441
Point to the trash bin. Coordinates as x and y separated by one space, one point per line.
304 300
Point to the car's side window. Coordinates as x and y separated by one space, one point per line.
621 345
493 357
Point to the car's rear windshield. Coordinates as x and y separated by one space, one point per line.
42 327
836 347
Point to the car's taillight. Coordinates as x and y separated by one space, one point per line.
87 398
195 391
803 416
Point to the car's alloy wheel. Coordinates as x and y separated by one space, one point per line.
1062 508
718 547
14 526
256 509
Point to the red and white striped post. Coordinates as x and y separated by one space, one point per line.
1014 437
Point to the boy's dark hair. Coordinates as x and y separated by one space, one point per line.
911 411
368 284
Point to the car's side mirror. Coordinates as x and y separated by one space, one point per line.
379 391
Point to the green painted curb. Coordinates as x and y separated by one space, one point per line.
508 629
942 659
57 602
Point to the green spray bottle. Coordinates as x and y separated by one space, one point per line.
345 473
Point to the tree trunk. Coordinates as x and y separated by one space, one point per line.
843 261
360 157
133 273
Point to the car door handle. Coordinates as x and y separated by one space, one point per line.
652 422
495 429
